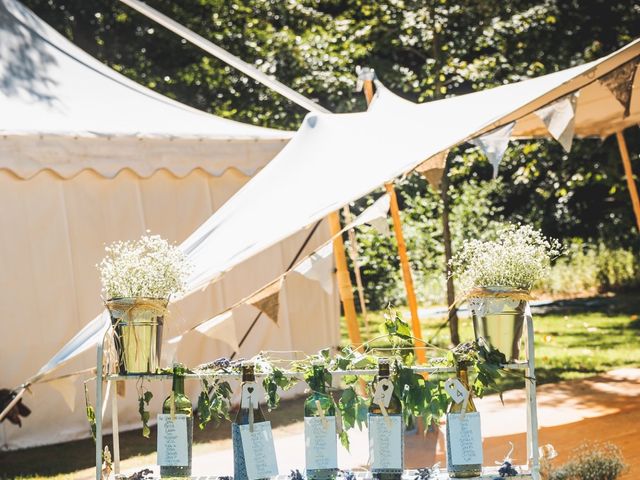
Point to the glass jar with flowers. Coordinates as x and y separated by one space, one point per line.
497 277
138 280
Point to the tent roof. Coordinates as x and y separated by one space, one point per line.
337 158
52 90
334 159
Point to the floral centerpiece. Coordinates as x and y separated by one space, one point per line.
138 280
497 277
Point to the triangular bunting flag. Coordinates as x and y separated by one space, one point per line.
494 144
267 300
620 83
319 267
67 388
170 349
433 169
374 215
559 118
221 327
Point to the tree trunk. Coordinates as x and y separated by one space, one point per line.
444 190
446 236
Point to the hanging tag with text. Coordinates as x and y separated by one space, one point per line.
383 392
456 390
249 395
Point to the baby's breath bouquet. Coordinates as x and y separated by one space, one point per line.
518 258
149 267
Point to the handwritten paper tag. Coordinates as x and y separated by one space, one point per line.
259 451
321 446
465 438
384 390
249 397
456 390
385 442
173 444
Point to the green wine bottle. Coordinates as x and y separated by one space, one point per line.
319 404
392 409
249 412
180 405
454 470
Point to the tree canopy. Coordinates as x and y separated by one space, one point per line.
421 50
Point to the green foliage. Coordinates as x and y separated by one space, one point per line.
144 398
91 413
213 401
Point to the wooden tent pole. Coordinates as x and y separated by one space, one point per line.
344 281
626 162
402 248
353 253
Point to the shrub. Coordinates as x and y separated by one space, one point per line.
590 461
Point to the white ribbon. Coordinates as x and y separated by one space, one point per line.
559 118
221 327
494 144
319 267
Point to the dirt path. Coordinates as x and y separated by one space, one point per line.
603 408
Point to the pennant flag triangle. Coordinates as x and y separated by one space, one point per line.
433 168
494 144
221 327
559 118
620 83
267 300
319 267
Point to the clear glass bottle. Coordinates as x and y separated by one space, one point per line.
182 405
243 417
394 409
461 471
319 397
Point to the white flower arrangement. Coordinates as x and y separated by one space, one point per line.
149 267
517 259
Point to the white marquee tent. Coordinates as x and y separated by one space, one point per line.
88 157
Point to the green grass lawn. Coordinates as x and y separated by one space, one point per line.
574 338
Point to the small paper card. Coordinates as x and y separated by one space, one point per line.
321 446
383 393
259 451
465 438
173 444
456 390
385 442
249 395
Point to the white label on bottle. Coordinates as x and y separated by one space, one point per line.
456 390
465 438
321 446
259 451
385 442
384 390
173 443
249 397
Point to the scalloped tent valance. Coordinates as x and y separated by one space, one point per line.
65 111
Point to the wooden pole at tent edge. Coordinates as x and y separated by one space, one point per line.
402 248
344 281
626 162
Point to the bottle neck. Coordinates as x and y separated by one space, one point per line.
178 384
248 373
463 375
318 376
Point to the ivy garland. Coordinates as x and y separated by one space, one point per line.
422 396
